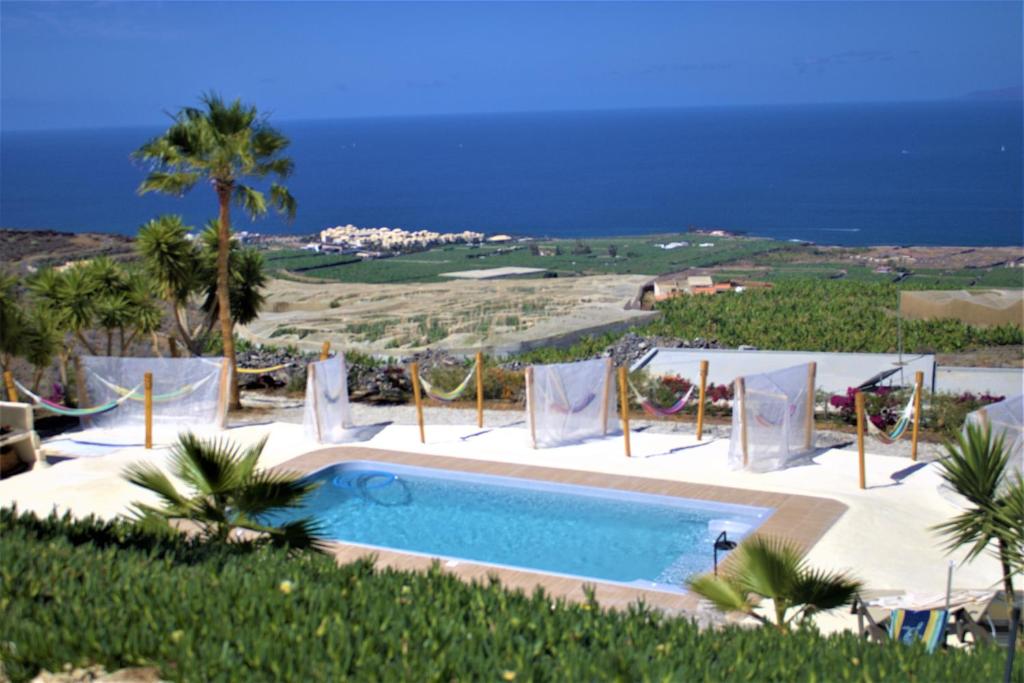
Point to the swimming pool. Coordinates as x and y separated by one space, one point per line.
643 540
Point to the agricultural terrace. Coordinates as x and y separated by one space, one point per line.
732 257
808 315
624 256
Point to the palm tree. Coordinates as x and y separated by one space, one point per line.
43 338
775 569
174 262
222 143
12 321
247 278
228 493
977 467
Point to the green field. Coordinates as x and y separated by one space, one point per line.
633 256
756 259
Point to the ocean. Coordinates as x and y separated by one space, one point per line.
926 173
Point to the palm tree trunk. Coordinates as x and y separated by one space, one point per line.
223 291
186 338
85 343
37 377
62 371
156 345
110 341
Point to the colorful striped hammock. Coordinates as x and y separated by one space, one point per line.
654 410
899 429
447 396
134 395
59 409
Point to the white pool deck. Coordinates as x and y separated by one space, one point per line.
884 538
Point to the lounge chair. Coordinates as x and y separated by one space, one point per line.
19 443
903 616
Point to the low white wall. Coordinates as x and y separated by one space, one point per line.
836 371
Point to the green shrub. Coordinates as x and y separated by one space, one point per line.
91 592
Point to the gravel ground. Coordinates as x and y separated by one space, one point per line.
290 410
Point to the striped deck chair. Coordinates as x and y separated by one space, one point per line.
908 626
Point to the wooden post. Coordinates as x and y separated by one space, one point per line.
607 394
624 407
325 350
224 394
859 404
311 379
700 398
172 345
415 370
147 388
530 407
918 388
812 370
479 389
741 396
81 390
12 392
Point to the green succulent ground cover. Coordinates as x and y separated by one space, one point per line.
86 592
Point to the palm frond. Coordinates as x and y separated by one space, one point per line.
209 466
724 593
149 477
283 200
298 534
767 566
175 183
821 591
268 491
252 200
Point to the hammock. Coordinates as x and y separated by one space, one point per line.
447 396
654 410
134 395
53 407
567 409
765 422
260 371
899 429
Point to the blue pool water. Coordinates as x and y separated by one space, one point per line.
597 533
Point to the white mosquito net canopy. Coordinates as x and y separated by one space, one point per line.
1006 419
569 402
189 394
327 418
772 419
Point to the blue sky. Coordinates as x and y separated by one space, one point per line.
114 64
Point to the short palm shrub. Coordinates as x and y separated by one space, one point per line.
978 467
774 568
228 493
